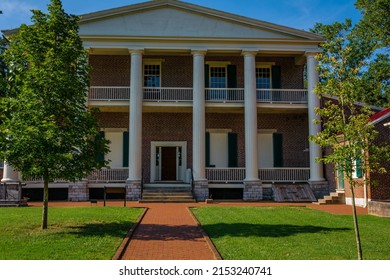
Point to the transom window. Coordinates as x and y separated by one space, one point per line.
263 77
218 77
152 75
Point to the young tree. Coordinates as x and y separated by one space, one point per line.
47 131
344 65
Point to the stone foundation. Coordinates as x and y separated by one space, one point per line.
133 190
201 190
78 191
379 208
320 189
253 191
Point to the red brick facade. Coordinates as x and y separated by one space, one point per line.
178 127
380 183
114 70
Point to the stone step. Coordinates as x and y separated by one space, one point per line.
12 203
151 200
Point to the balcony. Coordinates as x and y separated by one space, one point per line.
212 95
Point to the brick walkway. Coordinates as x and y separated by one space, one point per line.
168 231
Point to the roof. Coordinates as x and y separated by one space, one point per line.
204 11
380 116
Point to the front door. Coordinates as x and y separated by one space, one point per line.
168 164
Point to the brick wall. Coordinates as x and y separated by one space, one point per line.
381 188
114 70
178 127
110 70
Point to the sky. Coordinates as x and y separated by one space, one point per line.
299 14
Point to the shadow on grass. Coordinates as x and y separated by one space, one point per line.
114 229
264 230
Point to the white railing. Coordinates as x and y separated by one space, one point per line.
289 96
109 175
265 174
167 94
176 94
109 93
225 174
284 174
224 94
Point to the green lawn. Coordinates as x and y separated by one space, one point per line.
284 233
87 233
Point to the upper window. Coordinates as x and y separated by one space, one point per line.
263 77
218 77
152 75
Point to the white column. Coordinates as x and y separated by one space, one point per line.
251 169
316 168
135 126
198 117
9 174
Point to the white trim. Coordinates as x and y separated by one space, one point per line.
109 129
218 63
385 116
181 171
358 201
266 131
218 130
264 64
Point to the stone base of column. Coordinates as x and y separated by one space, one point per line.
78 191
319 188
253 191
133 190
201 190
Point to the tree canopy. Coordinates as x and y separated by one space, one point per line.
47 131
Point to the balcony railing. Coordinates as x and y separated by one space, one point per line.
109 175
176 94
109 93
289 96
284 174
161 94
225 175
224 94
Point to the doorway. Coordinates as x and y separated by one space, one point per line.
168 163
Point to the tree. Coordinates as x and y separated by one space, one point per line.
47 131
345 68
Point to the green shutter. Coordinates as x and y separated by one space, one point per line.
206 76
232 150
278 149
99 157
232 76
125 149
231 81
359 171
207 148
276 76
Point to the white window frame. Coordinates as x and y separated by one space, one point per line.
149 61
267 65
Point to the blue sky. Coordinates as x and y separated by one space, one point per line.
300 14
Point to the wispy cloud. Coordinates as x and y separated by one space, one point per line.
15 12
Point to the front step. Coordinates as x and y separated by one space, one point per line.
12 203
333 198
167 193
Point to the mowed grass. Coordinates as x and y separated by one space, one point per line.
85 233
292 233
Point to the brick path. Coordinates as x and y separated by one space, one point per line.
168 231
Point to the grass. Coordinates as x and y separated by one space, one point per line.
85 233
298 233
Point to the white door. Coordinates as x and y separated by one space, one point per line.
115 155
265 148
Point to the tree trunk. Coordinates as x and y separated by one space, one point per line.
45 199
356 226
